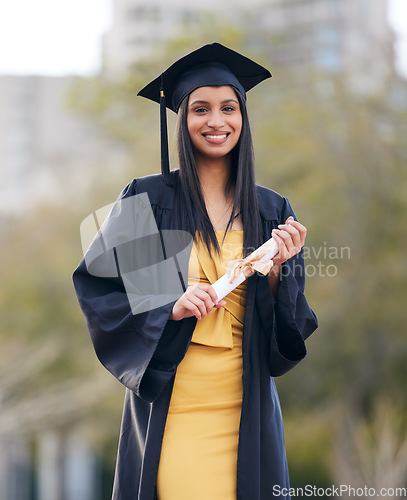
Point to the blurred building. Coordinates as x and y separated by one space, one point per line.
63 469
352 36
44 148
139 27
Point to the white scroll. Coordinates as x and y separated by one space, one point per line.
239 270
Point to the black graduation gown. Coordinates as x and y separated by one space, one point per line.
143 351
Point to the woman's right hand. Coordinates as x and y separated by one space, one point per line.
198 300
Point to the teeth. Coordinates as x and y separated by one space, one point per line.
223 136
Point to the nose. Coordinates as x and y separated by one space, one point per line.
216 119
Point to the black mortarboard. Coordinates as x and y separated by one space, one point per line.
210 65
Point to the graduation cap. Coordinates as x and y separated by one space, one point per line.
211 65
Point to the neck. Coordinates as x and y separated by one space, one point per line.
214 175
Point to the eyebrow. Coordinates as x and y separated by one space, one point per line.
207 102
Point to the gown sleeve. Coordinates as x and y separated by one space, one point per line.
128 323
291 319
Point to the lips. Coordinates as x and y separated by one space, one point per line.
216 138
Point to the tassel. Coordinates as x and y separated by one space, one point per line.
165 162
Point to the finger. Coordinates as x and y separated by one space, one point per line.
208 294
292 244
221 303
197 306
212 294
284 235
301 228
297 224
190 309
294 232
197 296
186 313
283 253
210 291
204 295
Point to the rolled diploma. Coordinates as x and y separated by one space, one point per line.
223 286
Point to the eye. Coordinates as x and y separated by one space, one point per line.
228 109
201 109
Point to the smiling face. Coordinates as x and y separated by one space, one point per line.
214 121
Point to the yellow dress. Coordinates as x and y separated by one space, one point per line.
199 451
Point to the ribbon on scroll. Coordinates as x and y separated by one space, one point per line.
239 270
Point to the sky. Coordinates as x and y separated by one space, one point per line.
60 37
398 19
52 37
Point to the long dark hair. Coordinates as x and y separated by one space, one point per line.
190 210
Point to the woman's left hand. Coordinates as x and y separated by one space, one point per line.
290 238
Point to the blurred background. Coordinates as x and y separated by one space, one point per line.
330 133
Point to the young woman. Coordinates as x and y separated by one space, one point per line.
202 418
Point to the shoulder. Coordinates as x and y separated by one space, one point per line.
158 192
272 205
